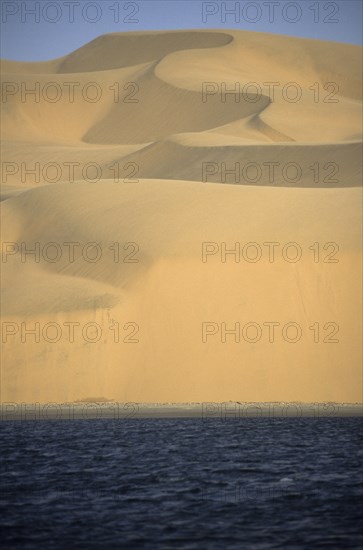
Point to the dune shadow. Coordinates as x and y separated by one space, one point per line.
114 51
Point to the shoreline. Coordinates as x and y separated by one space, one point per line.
206 411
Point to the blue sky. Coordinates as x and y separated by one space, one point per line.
44 29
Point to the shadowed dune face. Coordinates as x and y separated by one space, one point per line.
115 51
164 110
159 186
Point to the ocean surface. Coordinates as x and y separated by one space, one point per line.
255 483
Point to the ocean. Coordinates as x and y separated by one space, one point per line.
251 483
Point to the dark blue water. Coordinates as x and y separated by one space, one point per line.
194 484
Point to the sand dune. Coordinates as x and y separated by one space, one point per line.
143 178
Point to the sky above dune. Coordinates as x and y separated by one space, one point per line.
40 30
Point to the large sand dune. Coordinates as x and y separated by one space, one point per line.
175 150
